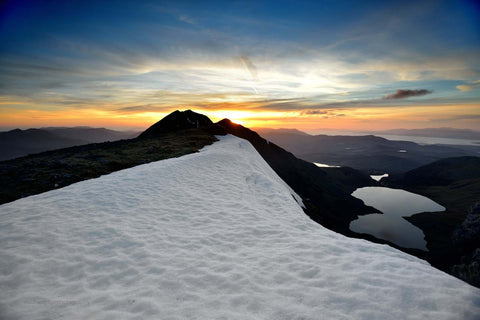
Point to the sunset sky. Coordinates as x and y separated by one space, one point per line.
350 65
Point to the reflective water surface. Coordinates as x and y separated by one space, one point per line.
379 177
395 204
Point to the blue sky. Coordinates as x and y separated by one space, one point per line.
305 64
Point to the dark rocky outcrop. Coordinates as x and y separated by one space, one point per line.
469 268
467 239
468 233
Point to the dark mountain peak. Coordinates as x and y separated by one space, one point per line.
25 133
175 121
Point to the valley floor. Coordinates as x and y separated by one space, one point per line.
210 235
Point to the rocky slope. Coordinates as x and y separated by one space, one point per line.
455 184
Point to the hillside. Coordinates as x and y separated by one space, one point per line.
49 170
367 153
440 173
18 143
210 235
92 135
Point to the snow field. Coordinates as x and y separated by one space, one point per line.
211 235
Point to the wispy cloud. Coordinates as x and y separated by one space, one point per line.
248 64
459 117
468 87
403 94
187 19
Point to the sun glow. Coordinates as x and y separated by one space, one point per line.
236 116
248 114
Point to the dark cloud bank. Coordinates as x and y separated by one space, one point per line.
403 94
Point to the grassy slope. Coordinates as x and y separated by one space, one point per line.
45 171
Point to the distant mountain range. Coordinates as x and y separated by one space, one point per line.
18 143
367 153
451 133
92 135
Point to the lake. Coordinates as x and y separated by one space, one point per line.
395 204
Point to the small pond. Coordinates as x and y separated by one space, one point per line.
379 177
395 204
323 165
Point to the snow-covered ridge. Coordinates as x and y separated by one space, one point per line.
210 235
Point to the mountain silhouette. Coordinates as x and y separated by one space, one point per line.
17 143
175 121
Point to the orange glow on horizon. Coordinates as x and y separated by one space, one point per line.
366 118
